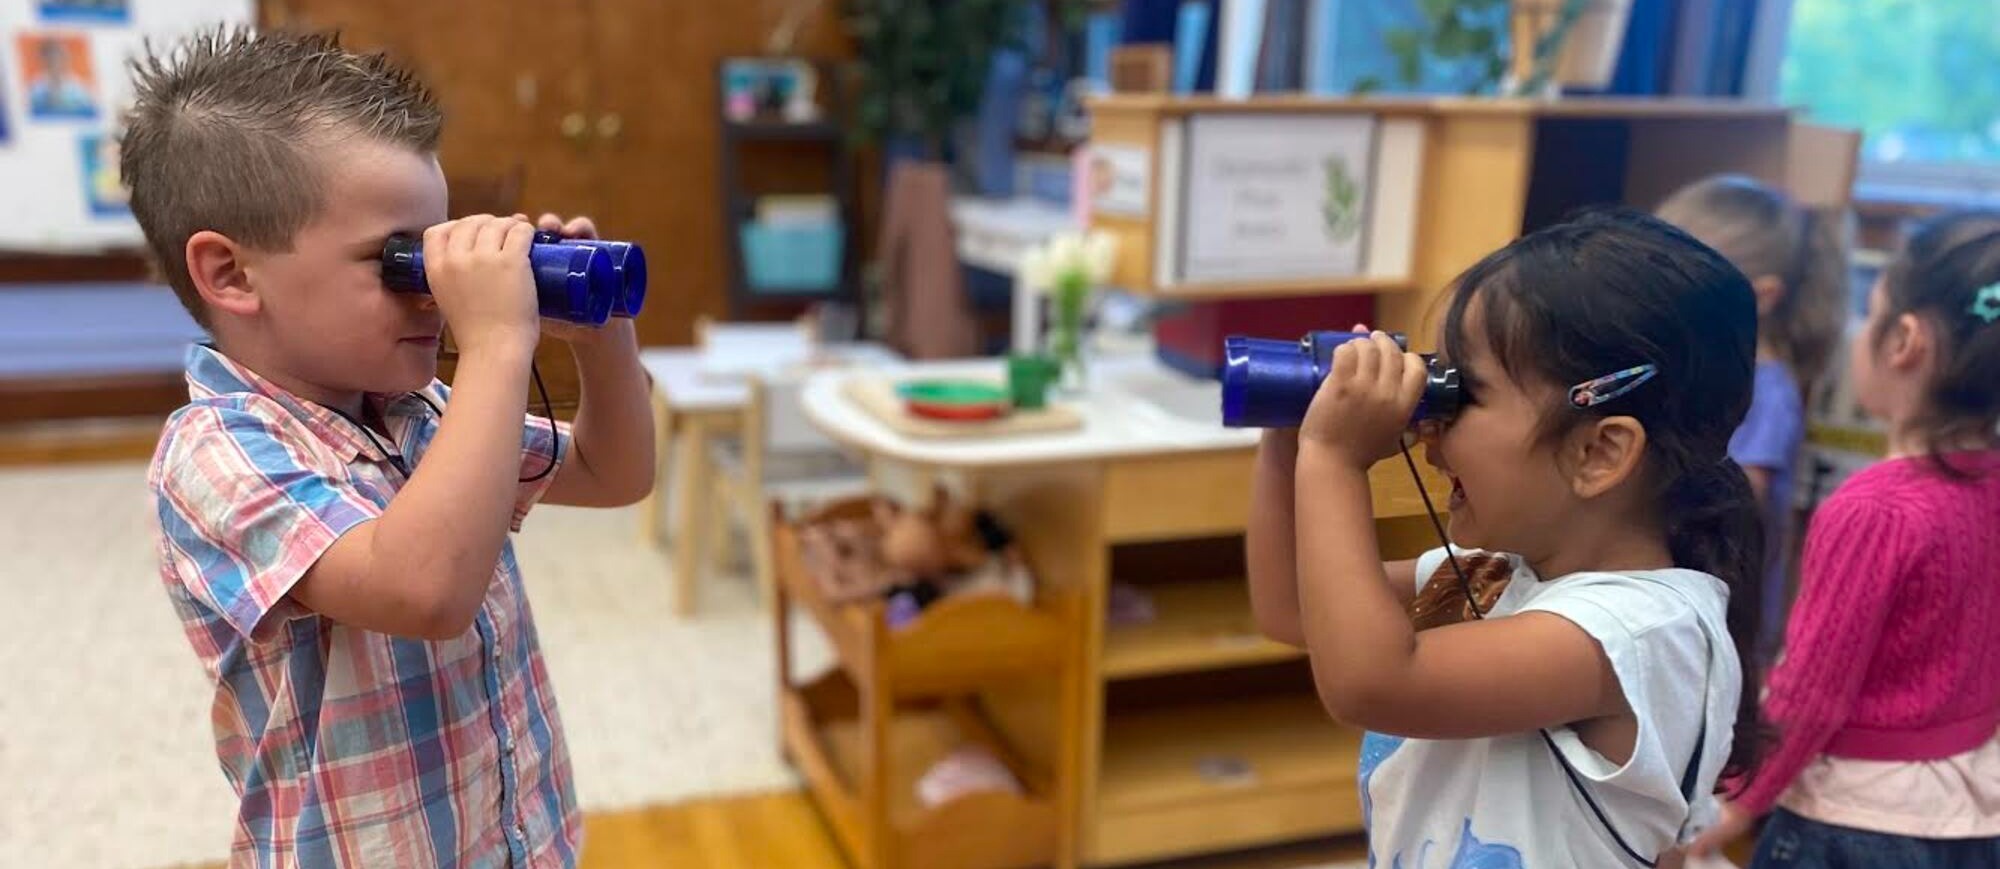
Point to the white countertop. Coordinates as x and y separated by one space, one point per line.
1136 407
679 378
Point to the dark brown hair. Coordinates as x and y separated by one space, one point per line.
1946 262
1611 290
222 129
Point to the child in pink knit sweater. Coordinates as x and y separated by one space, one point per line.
1887 699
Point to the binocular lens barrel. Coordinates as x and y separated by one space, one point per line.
627 259
577 282
1267 383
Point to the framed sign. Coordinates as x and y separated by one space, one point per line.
1276 197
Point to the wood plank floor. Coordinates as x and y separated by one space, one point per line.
28 444
783 829
768 831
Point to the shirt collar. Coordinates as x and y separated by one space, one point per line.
212 374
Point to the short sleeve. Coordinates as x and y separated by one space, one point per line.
1775 425
1429 562
1660 652
544 445
246 509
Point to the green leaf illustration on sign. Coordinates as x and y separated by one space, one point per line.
1341 208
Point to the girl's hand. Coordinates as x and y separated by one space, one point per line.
1364 406
1732 824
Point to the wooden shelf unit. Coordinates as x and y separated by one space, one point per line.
1455 178
956 645
865 783
900 699
1198 624
1203 776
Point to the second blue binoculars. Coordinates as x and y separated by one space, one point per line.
576 280
1268 383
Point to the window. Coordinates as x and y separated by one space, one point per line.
1919 78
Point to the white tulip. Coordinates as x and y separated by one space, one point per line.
1100 255
1036 270
1066 252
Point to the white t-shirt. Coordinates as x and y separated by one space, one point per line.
1503 802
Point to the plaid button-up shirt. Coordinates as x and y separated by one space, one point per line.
351 748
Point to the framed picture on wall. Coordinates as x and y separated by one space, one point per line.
104 11
56 76
104 194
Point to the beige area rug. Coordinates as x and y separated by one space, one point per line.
106 758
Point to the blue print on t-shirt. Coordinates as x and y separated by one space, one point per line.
1472 853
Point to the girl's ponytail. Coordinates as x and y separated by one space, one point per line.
1714 526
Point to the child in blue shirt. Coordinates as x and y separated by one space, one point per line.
1796 259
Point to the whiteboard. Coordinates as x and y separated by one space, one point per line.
47 202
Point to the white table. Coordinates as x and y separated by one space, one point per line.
1135 407
692 408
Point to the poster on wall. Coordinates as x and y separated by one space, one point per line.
104 193
98 11
56 77
1276 197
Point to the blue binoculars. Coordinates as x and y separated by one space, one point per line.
576 280
1268 383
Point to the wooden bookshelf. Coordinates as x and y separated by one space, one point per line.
1218 774
1197 625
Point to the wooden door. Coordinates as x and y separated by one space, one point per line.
658 138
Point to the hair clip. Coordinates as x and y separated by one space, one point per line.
1592 393
1986 303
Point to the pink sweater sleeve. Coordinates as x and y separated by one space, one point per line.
1855 552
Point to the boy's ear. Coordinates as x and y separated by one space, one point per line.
1605 454
216 265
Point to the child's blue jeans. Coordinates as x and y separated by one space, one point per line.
1793 842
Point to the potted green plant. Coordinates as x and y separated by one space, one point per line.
921 65
1070 267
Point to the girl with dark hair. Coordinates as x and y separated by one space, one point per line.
1887 697
1562 686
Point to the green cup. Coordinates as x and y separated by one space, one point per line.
1028 378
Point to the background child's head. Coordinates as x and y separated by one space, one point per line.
1566 486
1795 257
266 170
1928 359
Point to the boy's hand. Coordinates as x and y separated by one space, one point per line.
479 275
1363 407
573 333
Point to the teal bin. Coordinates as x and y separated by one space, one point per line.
791 258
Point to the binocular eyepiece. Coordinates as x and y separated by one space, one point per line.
1268 383
577 280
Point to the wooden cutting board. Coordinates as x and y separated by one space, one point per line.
877 396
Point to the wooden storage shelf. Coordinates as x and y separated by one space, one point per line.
1218 773
1360 285
959 644
1197 625
829 740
